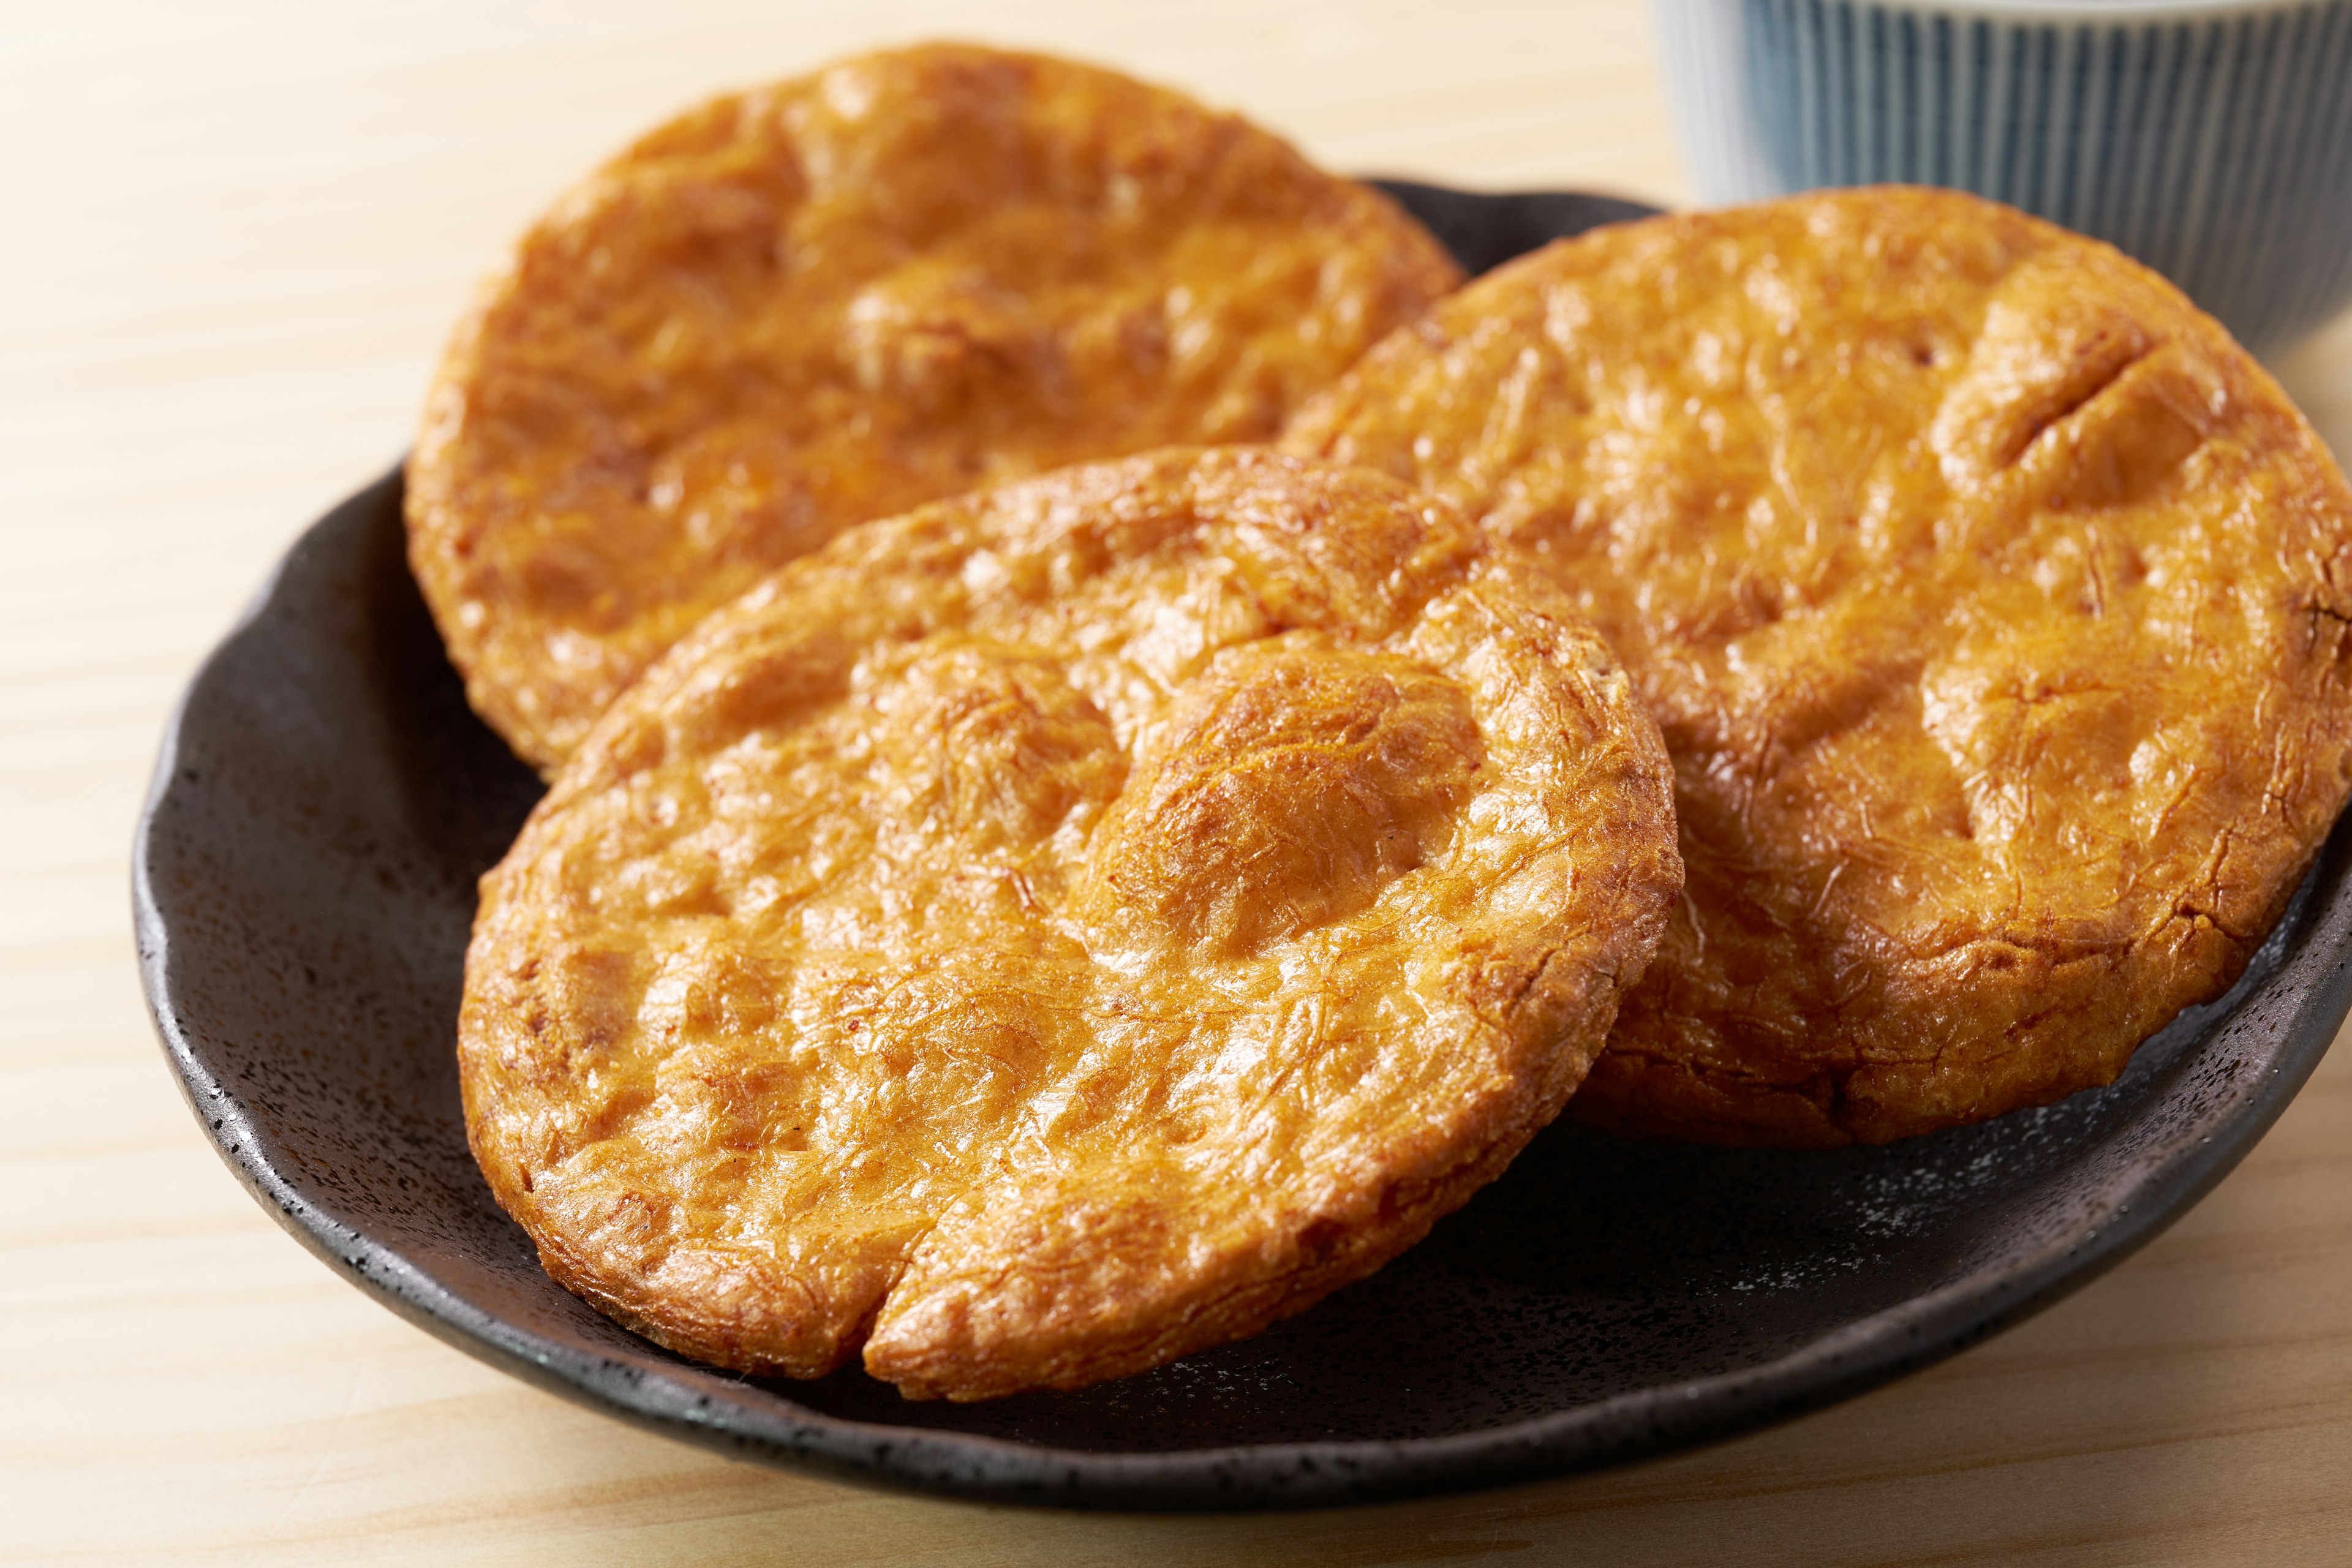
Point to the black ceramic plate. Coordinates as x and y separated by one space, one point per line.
304 881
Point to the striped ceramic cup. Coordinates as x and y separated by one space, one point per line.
2213 141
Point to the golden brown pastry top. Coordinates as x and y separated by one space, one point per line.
831 300
1993 604
1063 928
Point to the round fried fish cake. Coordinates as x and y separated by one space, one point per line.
1993 604
1063 928
836 299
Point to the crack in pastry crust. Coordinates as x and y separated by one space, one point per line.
837 298
1990 601
1063 928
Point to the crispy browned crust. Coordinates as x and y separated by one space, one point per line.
835 299
1063 928
1993 602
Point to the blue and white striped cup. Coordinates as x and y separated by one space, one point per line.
2212 140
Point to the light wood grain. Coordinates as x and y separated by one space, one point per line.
234 235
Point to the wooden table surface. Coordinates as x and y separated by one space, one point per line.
234 235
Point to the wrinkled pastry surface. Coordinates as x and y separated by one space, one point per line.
1064 927
1993 604
835 299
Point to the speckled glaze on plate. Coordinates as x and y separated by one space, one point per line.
303 885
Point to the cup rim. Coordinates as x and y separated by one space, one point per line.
2093 13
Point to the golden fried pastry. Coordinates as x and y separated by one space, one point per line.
1993 604
836 299
1063 928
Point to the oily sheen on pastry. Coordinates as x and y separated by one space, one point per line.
1993 604
1063 928
834 299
